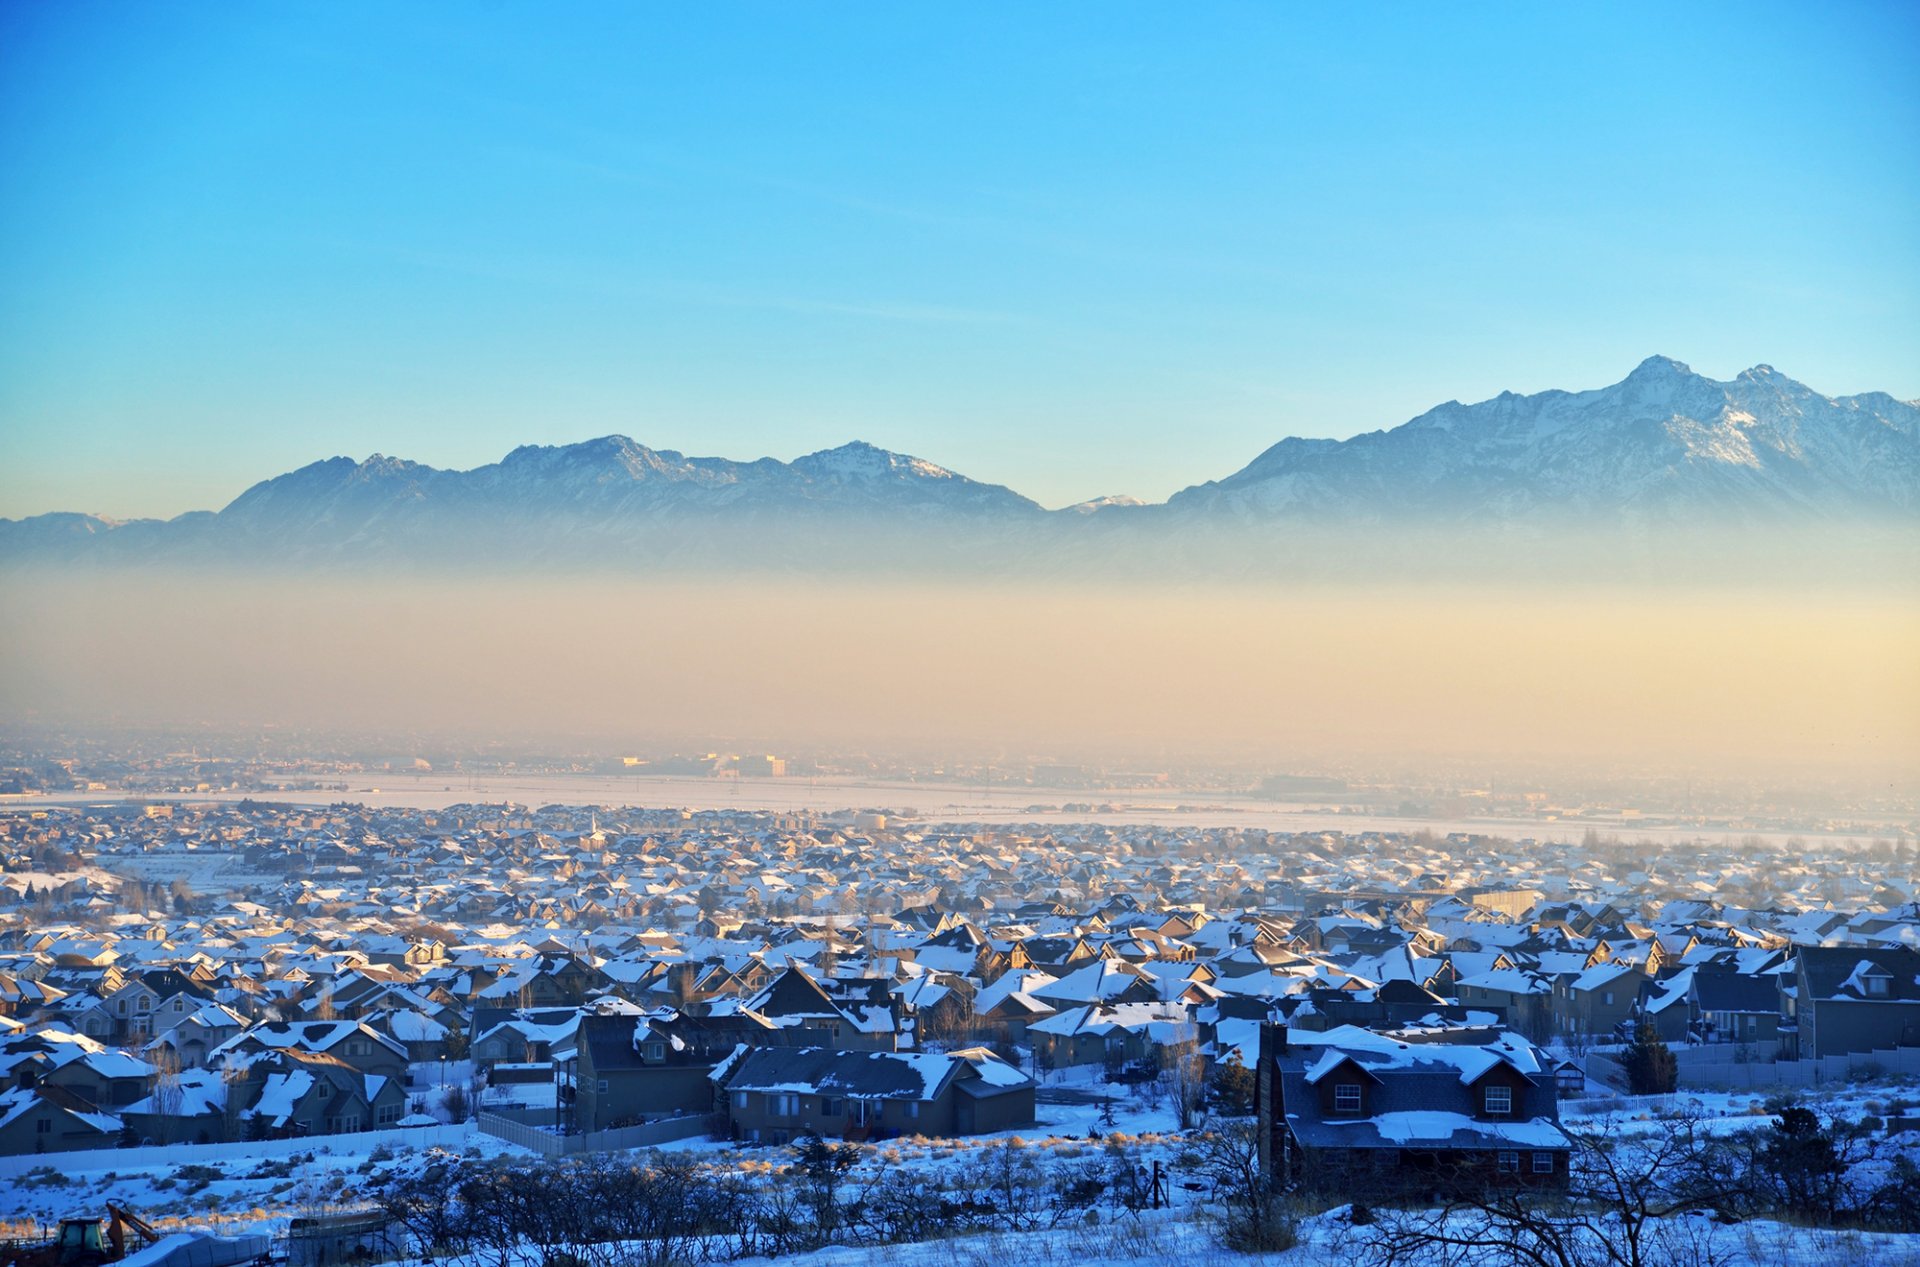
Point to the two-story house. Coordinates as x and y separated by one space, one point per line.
1379 1113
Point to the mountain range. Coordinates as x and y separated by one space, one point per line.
1664 447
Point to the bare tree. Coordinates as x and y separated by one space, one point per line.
1618 1209
1254 1217
1183 1073
168 1094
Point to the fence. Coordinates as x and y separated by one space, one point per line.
1715 1067
539 1139
1735 1066
1606 1071
247 1150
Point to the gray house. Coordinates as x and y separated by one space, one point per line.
775 1095
1856 998
1359 1111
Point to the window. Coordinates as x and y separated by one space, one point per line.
326 1089
1508 1162
740 1099
1499 1100
601 1086
1877 984
1346 1097
785 1105
833 1108
1543 1163
43 1127
656 1051
913 1108
1607 998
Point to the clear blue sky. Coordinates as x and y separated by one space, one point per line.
1079 249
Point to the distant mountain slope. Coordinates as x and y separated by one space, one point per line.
596 500
1664 446
1664 442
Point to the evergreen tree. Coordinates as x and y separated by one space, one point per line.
1651 1068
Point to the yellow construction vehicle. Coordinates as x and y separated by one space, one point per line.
87 1240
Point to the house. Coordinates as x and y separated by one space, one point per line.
1664 1006
795 1000
350 1042
1110 1033
1526 998
774 1095
1732 1007
1595 1002
108 1078
148 1001
192 1036
1007 1007
1380 1113
289 1092
188 1109
629 1069
1855 998
521 1035
44 1119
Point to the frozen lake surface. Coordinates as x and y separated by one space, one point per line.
933 802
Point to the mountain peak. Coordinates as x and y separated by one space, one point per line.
857 459
1660 367
1665 442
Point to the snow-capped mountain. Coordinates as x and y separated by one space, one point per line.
1665 446
597 500
1663 443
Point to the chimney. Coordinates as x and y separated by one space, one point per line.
1267 1100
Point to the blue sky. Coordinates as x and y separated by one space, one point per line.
1078 249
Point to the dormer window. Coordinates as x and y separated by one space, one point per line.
1877 983
1346 1097
656 1051
1499 1101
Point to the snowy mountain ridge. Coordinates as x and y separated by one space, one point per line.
1664 440
1663 446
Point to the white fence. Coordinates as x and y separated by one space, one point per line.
238 1150
543 1141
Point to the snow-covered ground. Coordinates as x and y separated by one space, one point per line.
226 1191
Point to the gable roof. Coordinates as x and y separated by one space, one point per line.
878 1075
1840 973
